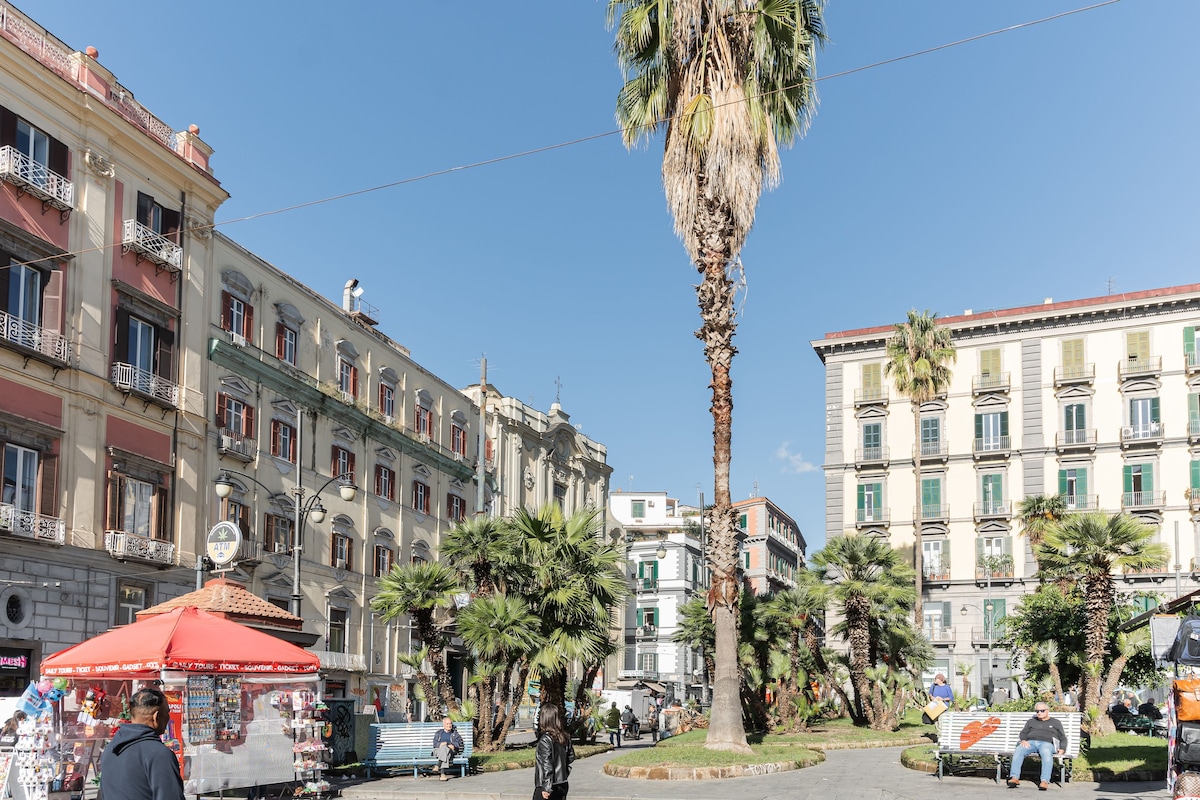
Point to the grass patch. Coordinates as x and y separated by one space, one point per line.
523 757
831 731
698 756
1115 755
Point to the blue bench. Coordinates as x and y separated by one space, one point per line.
411 745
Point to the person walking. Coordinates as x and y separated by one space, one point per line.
447 745
1042 736
553 756
136 765
612 724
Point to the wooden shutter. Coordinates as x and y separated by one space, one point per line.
1189 340
640 617
871 376
1137 344
52 300
248 422
978 427
1127 474
1062 482
8 127
121 336
226 302
1154 410
1195 484
354 381
48 490
989 362
1193 406
1147 477
170 225
162 517
378 481
164 352
1072 353
276 444
280 341
248 321
116 494
1081 485
334 467
350 465
144 203
57 159
862 494
1004 423
222 410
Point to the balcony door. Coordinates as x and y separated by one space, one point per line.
992 491
931 436
20 478
1072 484
25 294
1143 415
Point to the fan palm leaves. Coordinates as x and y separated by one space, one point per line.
1038 512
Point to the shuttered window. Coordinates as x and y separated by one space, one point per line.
1072 354
1137 345
989 362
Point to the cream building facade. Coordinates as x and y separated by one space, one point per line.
1095 399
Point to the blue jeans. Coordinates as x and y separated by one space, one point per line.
1045 750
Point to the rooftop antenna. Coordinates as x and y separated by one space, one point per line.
755 492
1111 282
631 483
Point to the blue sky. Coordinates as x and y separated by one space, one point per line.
1044 162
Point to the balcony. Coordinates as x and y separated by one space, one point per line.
985 634
1083 439
1139 367
1078 373
249 552
870 455
875 395
872 516
999 382
993 509
33 178
1148 433
345 662
1133 501
647 584
994 568
933 451
932 512
935 572
123 546
1082 502
137 238
1191 362
940 635
992 447
129 378
646 631
29 525
237 446
780 578
35 339
1194 431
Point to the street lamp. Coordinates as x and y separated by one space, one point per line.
661 552
988 623
223 486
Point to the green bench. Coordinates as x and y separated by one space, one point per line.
1134 724
411 745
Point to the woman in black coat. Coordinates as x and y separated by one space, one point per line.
552 765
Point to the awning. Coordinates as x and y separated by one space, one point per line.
649 686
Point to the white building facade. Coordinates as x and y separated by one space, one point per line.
1095 399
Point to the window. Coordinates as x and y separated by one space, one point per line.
162 221
137 506
1193 414
993 555
24 294
991 492
278 533
385 482
458 440
456 508
870 502
647 618
387 399
347 377
1075 423
489 450
342 556
336 639
991 431
131 598
637 508
647 572
20 478
384 559
1194 484
648 662
146 348
424 421
42 158
283 441
238 514
872 383
1139 484
32 298
931 436
234 416
237 316
989 363
935 560
1144 417
872 436
560 496
420 497
1189 346
1072 357
1072 485
285 343
931 498
1137 346
342 463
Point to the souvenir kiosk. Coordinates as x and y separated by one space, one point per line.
244 704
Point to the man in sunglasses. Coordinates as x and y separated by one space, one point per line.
1042 736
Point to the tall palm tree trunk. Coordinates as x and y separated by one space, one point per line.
437 659
858 624
918 550
1098 603
715 299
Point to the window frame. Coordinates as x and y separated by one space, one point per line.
458 440
279 441
420 496
385 559
341 547
385 482
456 508
287 343
277 529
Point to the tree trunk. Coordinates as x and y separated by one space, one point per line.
715 298
858 625
918 549
483 714
437 656
515 697
433 706
1098 604
554 689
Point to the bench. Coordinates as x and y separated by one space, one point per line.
966 735
1133 724
411 745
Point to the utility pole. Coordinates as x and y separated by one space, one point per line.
481 462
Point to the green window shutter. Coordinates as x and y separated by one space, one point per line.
1194 406
640 617
654 570
946 556
1062 481
1004 423
1128 479
1189 339
862 495
654 613
1195 474
979 426
978 551
1147 477
641 570
1007 543
931 492
999 611
1081 481
1154 417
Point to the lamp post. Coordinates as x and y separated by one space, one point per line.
303 509
988 624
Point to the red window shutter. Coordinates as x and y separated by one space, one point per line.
354 381
48 491
350 465
487 449
279 340
378 481
275 444
248 323
222 409
333 462
116 491
248 423
226 298
450 506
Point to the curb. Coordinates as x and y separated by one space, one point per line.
706 773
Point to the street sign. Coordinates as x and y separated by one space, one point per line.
223 542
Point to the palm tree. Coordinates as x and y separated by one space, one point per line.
420 590
480 548
433 708
729 80
1090 547
1129 644
866 581
919 354
1038 512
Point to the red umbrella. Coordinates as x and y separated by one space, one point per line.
186 639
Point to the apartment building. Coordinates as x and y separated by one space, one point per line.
1095 399
773 550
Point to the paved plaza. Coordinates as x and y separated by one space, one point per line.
869 774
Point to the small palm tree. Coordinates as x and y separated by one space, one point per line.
1090 548
729 80
919 354
1038 512
422 590
1129 644
480 548
416 661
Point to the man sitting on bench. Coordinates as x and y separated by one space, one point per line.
1043 736
447 744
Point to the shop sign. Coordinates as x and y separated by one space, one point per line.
14 660
223 542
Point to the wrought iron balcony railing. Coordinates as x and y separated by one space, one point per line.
942 634
998 382
647 584
122 545
129 378
646 631
993 509
933 450
29 525
1071 440
992 446
872 516
232 443
1143 499
1082 502
1136 367
985 634
346 662
935 571
137 238
873 395
1076 373
1193 430
1191 361
1146 433
932 512
37 179
33 337
871 455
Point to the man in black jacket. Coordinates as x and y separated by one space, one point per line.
1043 736
136 765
